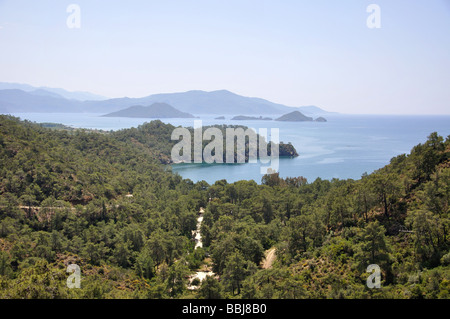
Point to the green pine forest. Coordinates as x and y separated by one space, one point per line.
108 202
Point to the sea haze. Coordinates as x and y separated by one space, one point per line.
344 147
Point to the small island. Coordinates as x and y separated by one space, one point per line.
220 118
320 119
250 118
156 110
287 150
295 116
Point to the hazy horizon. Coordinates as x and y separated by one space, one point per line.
295 53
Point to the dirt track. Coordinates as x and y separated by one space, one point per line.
270 257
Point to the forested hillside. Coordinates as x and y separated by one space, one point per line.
105 201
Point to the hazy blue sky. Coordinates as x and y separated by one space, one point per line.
295 52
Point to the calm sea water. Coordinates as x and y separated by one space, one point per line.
344 147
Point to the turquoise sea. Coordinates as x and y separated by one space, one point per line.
344 147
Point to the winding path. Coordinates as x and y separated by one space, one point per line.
200 275
270 257
198 235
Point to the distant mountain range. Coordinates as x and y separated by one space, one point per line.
156 110
16 98
55 92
